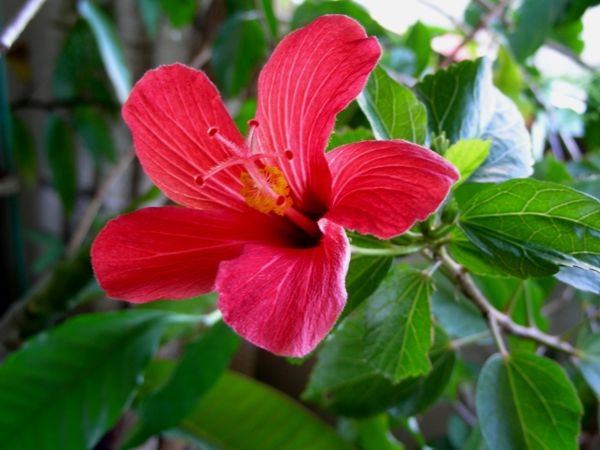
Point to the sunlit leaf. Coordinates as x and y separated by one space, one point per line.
534 228
392 109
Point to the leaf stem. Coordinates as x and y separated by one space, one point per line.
471 339
470 289
497 335
388 251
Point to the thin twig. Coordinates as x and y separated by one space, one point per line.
565 51
483 23
16 26
470 289
9 185
96 203
457 24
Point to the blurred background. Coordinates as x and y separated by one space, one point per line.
67 159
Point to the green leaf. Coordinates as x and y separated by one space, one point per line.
462 103
110 47
244 414
53 250
418 39
453 312
310 10
86 371
589 360
507 75
398 325
467 156
525 401
60 151
533 228
266 7
201 366
348 136
343 382
92 126
470 256
370 434
180 12
392 109
79 72
533 21
150 12
24 150
364 276
234 61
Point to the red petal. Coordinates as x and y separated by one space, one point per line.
172 252
169 112
312 75
383 187
286 299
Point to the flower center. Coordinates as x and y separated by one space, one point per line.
267 192
264 187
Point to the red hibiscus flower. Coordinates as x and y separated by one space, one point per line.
263 219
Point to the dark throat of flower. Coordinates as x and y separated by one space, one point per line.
264 187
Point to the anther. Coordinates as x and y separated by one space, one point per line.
288 154
253 123
212 131
199 180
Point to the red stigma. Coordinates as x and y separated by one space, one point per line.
212 131
288 154
199 180
253 123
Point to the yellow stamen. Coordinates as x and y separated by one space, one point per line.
269 194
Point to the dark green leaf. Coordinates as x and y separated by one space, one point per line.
589 360
180 12
92 126
348 136
392 109
79 72
201 366
244 414
525 401
467 156
462 103
234 61
532 228
418 39
309 10
110 47
398 325
24 150
364 275
344 383
60 151
532 23
65 389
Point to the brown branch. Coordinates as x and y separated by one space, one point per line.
96 203
470 289
483 23
16 26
